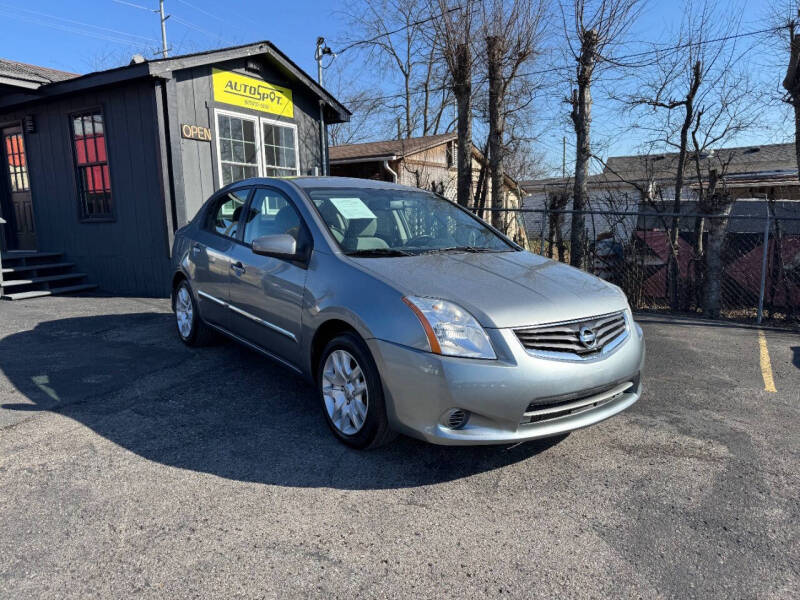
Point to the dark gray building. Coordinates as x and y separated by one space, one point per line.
101 169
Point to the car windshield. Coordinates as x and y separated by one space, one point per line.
381 222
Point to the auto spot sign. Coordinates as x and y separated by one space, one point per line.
249 92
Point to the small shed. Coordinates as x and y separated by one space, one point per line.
101 169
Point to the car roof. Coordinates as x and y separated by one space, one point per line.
311 182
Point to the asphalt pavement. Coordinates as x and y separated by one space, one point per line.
132 466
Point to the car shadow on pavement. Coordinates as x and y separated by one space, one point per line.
222 410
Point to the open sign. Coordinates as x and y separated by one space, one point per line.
195 132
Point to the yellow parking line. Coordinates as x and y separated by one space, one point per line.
766 365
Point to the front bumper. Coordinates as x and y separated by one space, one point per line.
504 396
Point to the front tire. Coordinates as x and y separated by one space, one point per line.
191 329
351 393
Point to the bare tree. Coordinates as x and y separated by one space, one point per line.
512 32
398 36
593 30
726 110
364 125
693 84
454 30
791 82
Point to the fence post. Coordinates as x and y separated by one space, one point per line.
763 269
544 221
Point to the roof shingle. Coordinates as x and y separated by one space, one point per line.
32 73
388 148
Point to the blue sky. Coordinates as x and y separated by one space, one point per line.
84 35
76 35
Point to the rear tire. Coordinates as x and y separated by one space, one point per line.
190 327
351 393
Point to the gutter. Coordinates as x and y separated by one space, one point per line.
390 171
347 161
323 146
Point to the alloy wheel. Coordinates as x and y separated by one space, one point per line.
344 390
184 312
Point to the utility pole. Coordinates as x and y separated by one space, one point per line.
322 50
163 28
564 157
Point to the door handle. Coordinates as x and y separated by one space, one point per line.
238 268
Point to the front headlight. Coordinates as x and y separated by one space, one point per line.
451 330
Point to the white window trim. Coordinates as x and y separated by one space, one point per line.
260 157
296 144
237 115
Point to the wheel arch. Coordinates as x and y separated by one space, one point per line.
328 330
177 278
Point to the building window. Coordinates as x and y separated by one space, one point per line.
280 150
91 165
17 168
238 149
254 147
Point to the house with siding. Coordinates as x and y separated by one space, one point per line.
640 182
100 170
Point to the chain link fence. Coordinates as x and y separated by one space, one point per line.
744 265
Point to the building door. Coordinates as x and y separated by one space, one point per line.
20 230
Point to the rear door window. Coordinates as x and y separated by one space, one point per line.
225 215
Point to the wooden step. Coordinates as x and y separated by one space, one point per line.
25 255
85 287
21 268
34 280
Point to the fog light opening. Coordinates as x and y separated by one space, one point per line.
456 418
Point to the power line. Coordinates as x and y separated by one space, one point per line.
190 25
202 11
70 29
570 68
70 22
700 43
139 6
403 28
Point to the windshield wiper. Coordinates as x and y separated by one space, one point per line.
475 249
379 252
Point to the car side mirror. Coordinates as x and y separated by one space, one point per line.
279 245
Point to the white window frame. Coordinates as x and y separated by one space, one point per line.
296 144
237 115
260 156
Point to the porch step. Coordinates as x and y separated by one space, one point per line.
41 267
13 257
33 274
84 287
17 282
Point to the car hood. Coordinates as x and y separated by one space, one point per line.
501 289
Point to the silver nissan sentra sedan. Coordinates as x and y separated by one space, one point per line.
408 313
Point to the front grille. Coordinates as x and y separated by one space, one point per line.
565 338
546 409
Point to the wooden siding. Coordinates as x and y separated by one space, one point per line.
130 254
195 105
